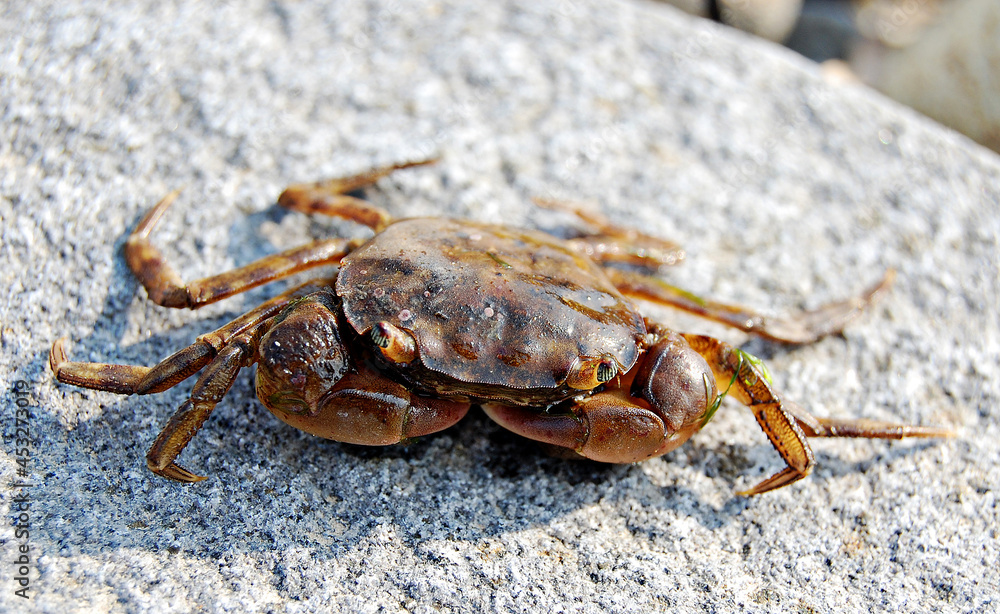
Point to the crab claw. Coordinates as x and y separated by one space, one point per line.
397 345
302 356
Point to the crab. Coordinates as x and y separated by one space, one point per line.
430 316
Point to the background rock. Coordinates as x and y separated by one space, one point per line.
788 192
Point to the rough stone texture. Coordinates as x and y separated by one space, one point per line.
787 191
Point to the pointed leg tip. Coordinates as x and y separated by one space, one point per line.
751 492
422 162
175 472
875 292
755 490
153 216
783 478
168 200
931 432
57 354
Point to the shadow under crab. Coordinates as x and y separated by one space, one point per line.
431 315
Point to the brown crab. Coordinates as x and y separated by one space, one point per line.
431 315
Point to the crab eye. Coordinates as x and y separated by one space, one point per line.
395 344
379 337
606 370
589 373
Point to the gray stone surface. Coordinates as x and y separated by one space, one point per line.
786 190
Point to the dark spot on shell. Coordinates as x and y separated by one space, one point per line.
514 358
465 350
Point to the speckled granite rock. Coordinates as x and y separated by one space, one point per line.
787 192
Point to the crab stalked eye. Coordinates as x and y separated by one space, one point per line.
589 373
606 370
394 343
379 337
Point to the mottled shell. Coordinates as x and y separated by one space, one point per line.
491 308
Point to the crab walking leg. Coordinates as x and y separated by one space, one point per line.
330 197
608 243
166 288
213 384
739 377
134 379
814 426
641 251
804 327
